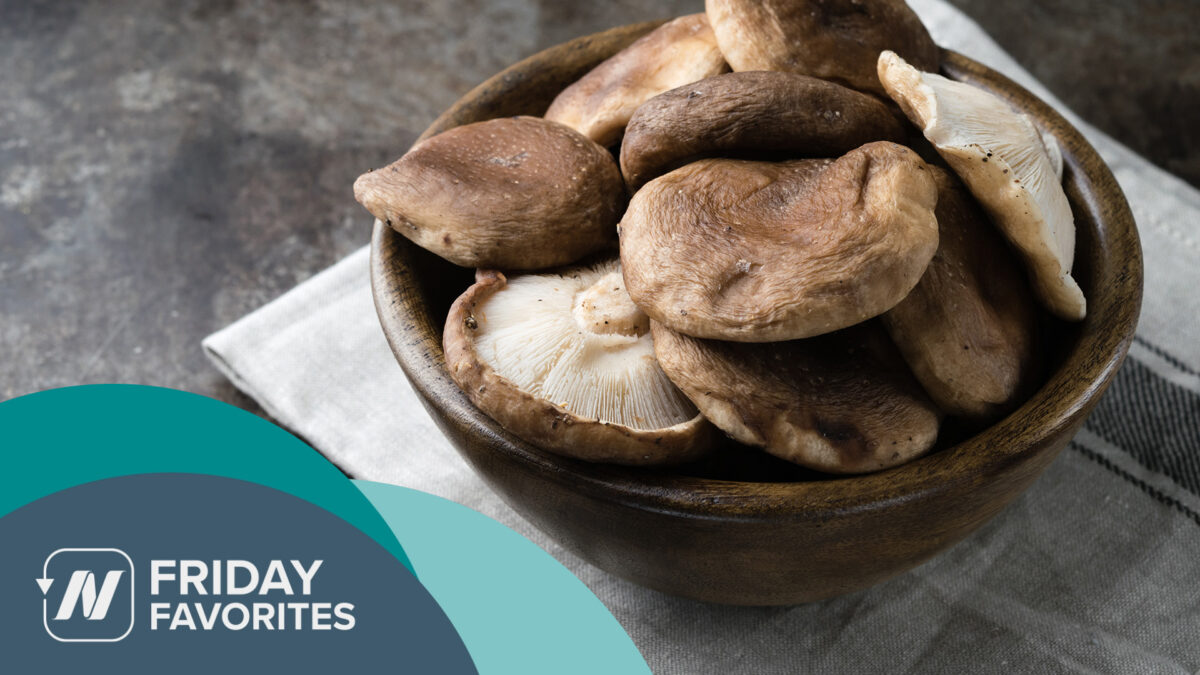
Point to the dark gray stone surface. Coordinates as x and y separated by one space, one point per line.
166 168
1132 67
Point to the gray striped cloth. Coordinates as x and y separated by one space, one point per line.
1096 568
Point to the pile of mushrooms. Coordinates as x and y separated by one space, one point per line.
733 224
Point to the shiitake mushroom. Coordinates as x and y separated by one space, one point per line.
797 255
513 193
1004 161
766 251
676 53
836 40
565 361
758 114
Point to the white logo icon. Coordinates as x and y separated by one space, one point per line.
110 567
82 587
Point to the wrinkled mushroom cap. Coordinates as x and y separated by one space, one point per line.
840 403
968 330
761 251
1005 163
837 40
513 193
755 115
566 362
600 103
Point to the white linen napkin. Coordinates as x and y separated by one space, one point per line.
1095 568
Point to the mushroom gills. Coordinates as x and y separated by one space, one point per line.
1007 164
577 341
565 362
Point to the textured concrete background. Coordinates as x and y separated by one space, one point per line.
167 167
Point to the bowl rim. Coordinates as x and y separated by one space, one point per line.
1061 403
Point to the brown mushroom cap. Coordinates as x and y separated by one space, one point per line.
836 40
565 361
841 403
600 103
968 329
751 114
759 251
513 193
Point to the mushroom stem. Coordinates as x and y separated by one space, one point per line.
605 308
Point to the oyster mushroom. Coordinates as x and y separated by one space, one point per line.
968 329
836 40
761 251
566 362
841 403
513 193
676 53
751 114
1006 164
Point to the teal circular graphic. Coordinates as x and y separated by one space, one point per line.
504 594
63 437
152 530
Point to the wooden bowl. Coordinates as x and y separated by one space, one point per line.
769 542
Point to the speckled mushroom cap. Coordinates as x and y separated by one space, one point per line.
1006 164
763 251
837 40
757 114
840 403
513 193
566 362
969 328
676 53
